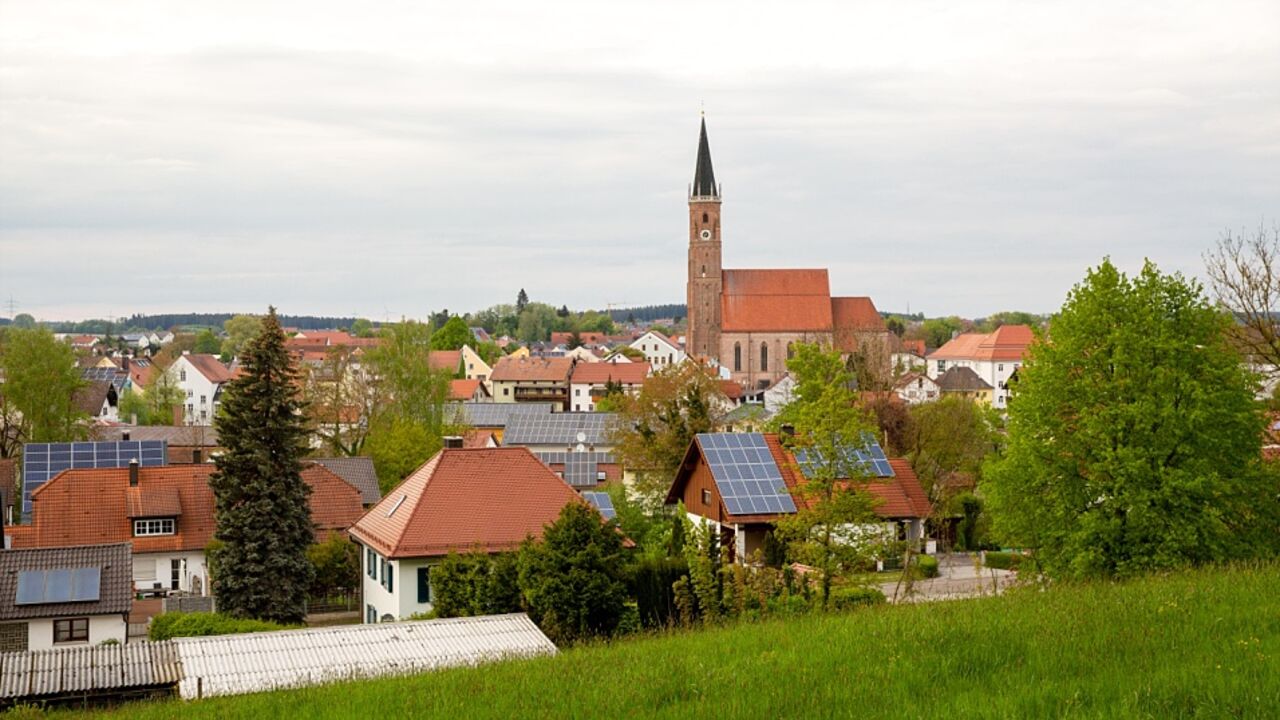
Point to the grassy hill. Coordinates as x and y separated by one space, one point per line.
1203 644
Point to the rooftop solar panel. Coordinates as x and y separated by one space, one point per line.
868 456
602 502
42 461
496 414
562 429
62 585
748 478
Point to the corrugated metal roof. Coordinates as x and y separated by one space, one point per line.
92 668
255 662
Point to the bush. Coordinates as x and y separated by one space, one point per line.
1002 560
652 583
848 598
927 565
170 625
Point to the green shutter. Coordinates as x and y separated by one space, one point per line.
424 584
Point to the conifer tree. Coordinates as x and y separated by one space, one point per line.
263 518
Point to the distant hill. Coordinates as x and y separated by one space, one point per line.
139 322
648 313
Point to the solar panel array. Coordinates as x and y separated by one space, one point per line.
581 469
42 587
496 414
868 456
566 429
118 378
41 461
603 503
748 478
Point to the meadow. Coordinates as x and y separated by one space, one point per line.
1203 643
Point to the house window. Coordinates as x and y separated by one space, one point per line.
1000 367
182 376
942 366
388 580
424 585
506 391
706 497
737 357
190 392
764 357
601 476
577 392
371 564
71 630
175 573
382 568
370 614
204 399
155 526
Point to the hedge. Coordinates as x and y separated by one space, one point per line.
854 597
179 624
1002 560
928 565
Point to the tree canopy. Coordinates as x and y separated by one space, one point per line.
453 335
41 382
1134 439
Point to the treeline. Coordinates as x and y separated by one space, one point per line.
648 313
138 322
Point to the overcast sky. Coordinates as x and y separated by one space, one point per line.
393 158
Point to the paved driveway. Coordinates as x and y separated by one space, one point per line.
958 577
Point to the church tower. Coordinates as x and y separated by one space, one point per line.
705 281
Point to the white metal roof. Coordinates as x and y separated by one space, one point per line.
256 662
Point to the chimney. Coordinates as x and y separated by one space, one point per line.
133 473
453 442
789 430
124 363
196 456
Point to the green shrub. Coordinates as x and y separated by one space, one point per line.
927 565
179 624
1003 560
848 598
788 605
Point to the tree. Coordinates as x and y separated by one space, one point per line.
337 566
362 328
536 322
522 300
572 580
207 343
453 335
342 395
937 331
40 384
575 340
241 330
23 321
162 395
656 425
262 516
948 440
133 408
1010 317
1243 274
831 500
1134 440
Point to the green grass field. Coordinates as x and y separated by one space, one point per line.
1199 644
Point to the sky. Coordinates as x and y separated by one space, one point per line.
395 158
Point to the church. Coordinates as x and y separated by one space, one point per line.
748 320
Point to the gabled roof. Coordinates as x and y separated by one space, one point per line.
1008 342
775 301
209 366
356 471
115 588
82 507
513 369
586 338
850 318
658 336
449 360
92 396
912 378
489 499
961 379
462 390
631 373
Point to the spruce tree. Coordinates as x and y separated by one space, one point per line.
263 518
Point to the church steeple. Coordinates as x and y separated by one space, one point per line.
704 178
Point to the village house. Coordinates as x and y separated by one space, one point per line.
964 382
461 500
469 391
493 418
915 388
201 379
474 367
742 483
659 350
167 514
590 382
65 597
529 379
992 356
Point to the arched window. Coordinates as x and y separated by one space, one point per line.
764 357
737 357
705 218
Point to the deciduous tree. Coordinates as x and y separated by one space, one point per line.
1244 272
453 335
1134 439
41 381
263 519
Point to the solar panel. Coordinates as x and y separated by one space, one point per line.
495 414
868 456
564 429
748 478
602 502
41 461
116 377
62 585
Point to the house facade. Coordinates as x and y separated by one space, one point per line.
964 382
66 597
532 379
993 357
915 388
590 382
200 378
659 350
462 500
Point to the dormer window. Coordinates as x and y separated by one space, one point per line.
153 526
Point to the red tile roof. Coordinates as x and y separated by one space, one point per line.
855 313
513 369
731 389
209 366
587 338
775 301
93 506
463 389
445 360
632 373
478 438
461 499
1008 342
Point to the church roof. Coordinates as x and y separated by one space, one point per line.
775 301
704 178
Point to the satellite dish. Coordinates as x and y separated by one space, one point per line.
581 447
582 437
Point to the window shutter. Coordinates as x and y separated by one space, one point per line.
424 584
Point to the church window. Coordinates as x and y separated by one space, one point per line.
791 350
764 357
705 218
737 357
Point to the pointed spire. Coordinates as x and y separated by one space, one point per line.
704 178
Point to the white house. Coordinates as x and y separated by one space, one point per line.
590 381
915 388
200 377
659 350
64 597
992 356
441 508
474 367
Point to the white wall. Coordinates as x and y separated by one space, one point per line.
101 627
657 352
151 568
195 387
994 373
